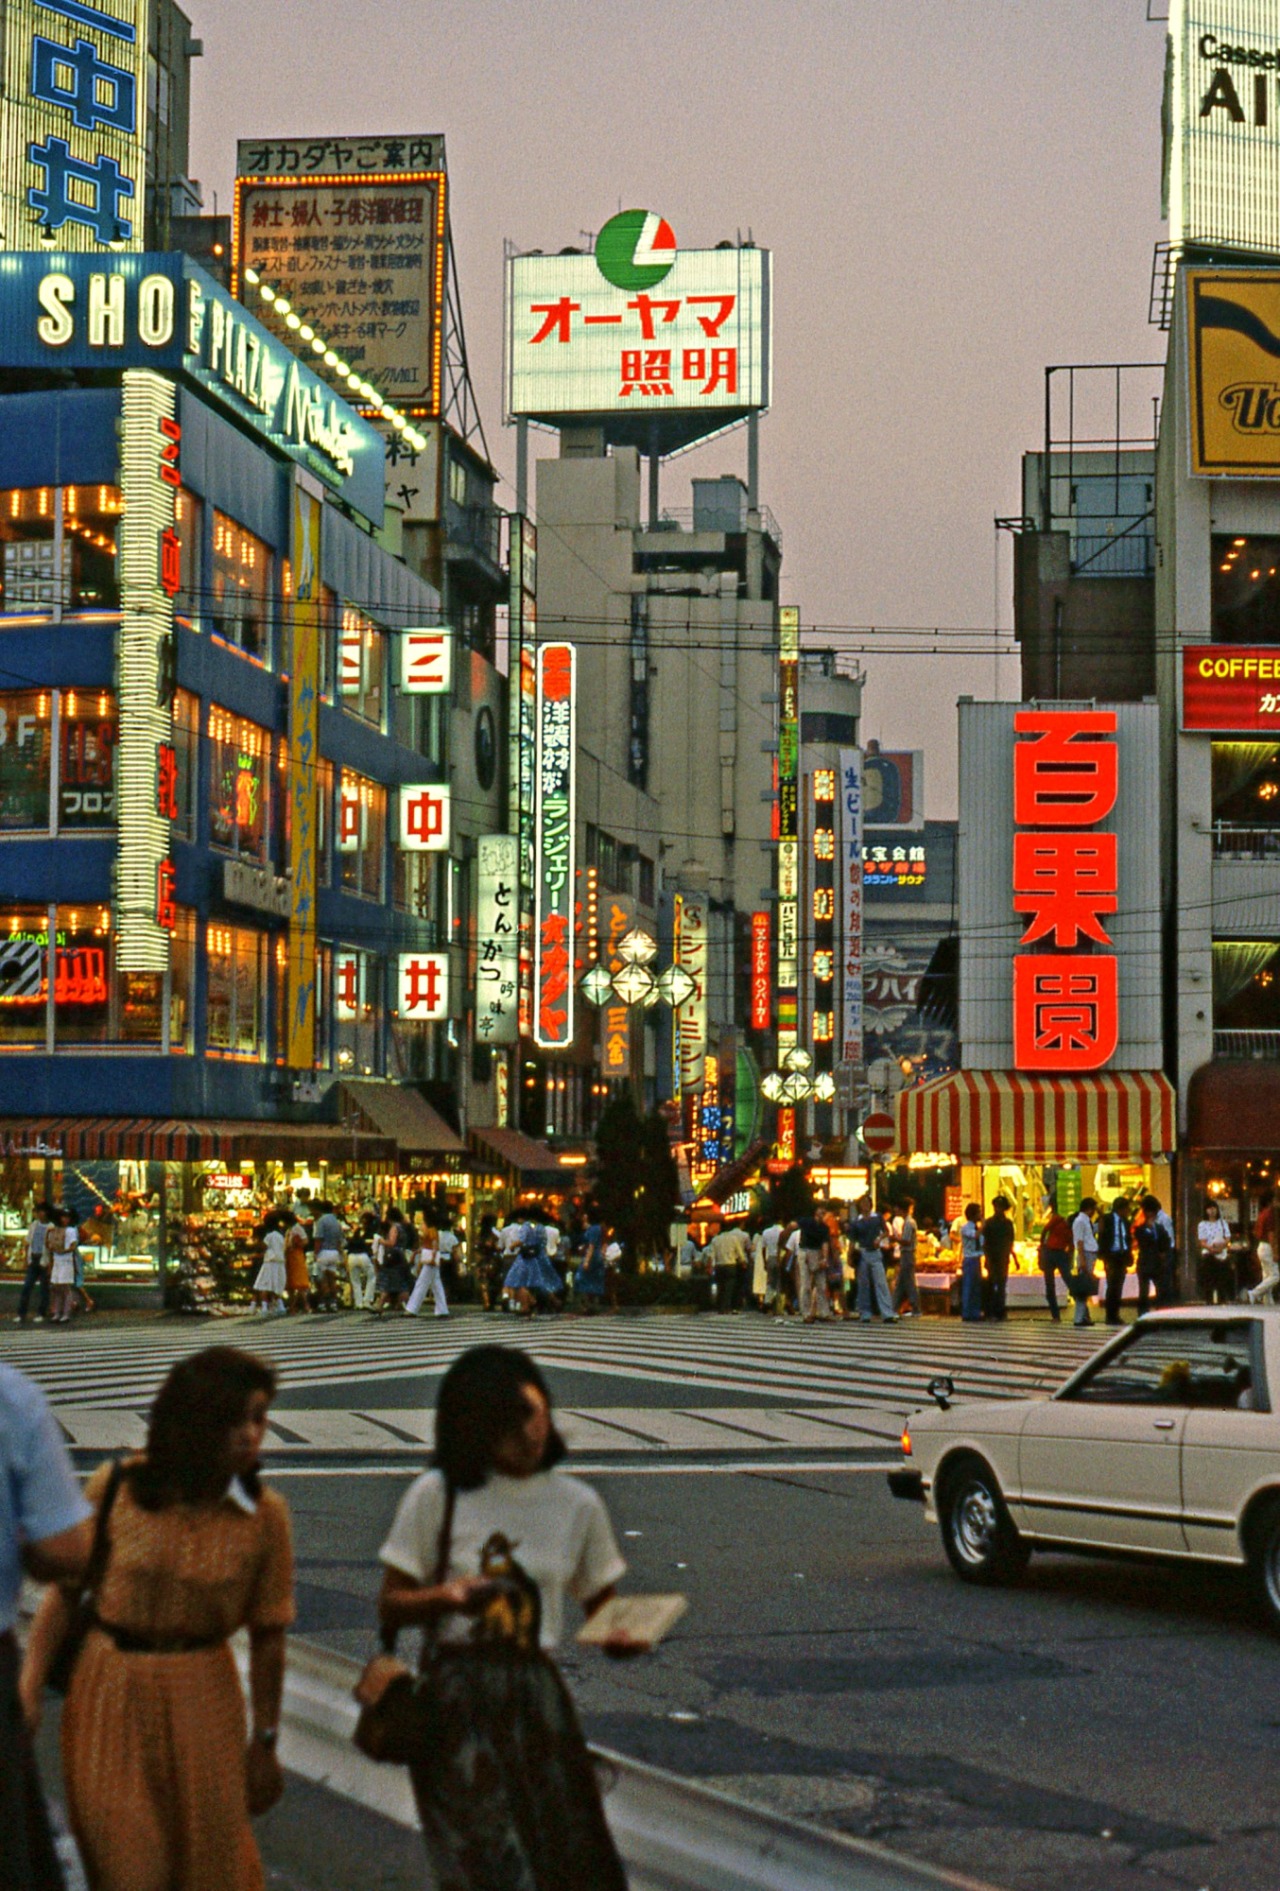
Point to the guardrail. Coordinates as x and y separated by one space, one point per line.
674 1836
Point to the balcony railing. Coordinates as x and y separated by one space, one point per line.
691 519
1247 1044
1246 843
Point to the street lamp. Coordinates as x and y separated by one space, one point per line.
796 1081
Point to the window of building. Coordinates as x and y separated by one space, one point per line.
74 569
189 520
88 736
412 883
24 988
648 881
357 990
324 823
237 990
362 663
328 635
82 978
239 784
240 588
457 482
186 743
93 1001
182 979
360 829
1245 590
26 744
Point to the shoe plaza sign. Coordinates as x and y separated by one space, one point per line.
162 311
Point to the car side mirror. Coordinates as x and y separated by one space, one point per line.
943 1390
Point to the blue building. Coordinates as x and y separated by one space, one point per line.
235 808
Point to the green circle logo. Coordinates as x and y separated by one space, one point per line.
635 249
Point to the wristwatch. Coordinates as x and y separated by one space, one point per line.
267 1737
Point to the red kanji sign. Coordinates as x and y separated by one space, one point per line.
761 974
1066 1011
166 884
424 985
1066 778
167 781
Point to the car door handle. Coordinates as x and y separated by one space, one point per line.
1164 1424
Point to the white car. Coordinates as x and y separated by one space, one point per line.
1166 1443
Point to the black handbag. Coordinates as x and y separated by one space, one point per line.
393 1727
84 1604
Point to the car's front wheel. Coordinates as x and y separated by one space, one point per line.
979 1535
1264 1561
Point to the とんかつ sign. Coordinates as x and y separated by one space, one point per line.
1066 1014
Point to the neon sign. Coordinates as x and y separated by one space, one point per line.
554 834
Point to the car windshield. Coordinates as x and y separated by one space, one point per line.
1193 1363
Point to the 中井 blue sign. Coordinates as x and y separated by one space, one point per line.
162 311
74 137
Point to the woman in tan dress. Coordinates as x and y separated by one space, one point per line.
160 1781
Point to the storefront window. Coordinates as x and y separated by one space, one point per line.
362 660
241 587
186 742
82 981
1245 590
24 989
88 735
360 834
35 574
26 741
236 990
239 784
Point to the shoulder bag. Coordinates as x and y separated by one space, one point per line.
392 1724
84 1604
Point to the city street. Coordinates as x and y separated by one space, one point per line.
830 1665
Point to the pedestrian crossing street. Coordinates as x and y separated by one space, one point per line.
832 1389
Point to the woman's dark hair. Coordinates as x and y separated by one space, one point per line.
199 1405
479 1405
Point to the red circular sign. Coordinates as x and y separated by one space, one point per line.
879 1134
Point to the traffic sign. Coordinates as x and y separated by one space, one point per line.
879 1134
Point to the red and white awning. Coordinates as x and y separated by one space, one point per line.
982 1115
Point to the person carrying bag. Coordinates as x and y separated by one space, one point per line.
484 1549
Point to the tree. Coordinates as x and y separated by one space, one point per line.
635 1177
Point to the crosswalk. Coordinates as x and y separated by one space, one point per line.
828 1389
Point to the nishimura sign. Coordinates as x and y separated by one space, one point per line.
1059 887
554 834
1222 125
666 332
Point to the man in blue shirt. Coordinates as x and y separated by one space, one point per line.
45 1533
869 1233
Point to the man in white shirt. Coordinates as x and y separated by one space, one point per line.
1084 1242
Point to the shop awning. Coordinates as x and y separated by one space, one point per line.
526 1161
982 1115
1234 1109
155 1139
404 1116
734 1176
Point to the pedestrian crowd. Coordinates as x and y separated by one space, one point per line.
170 1552
826 1264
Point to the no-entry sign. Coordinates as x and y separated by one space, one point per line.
879 1134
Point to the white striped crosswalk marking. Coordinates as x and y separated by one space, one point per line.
832 1389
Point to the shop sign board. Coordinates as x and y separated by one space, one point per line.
554 824
1222 126
788 966
823 960
426 661
849 889
1069 1192
349 986
246 884
359 255
691 1018
893 788
1059 887
422 986
618 916
425 819
761 974
73 130
638 324
786 1142
1231 689
150 474
161 311
1233 319
307 510
497 939
889 865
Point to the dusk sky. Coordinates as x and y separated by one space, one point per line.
955 196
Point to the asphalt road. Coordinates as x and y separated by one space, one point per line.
1102 1726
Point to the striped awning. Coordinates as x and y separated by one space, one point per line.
982 1115
156 1139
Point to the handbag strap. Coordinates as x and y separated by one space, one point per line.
99 1555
